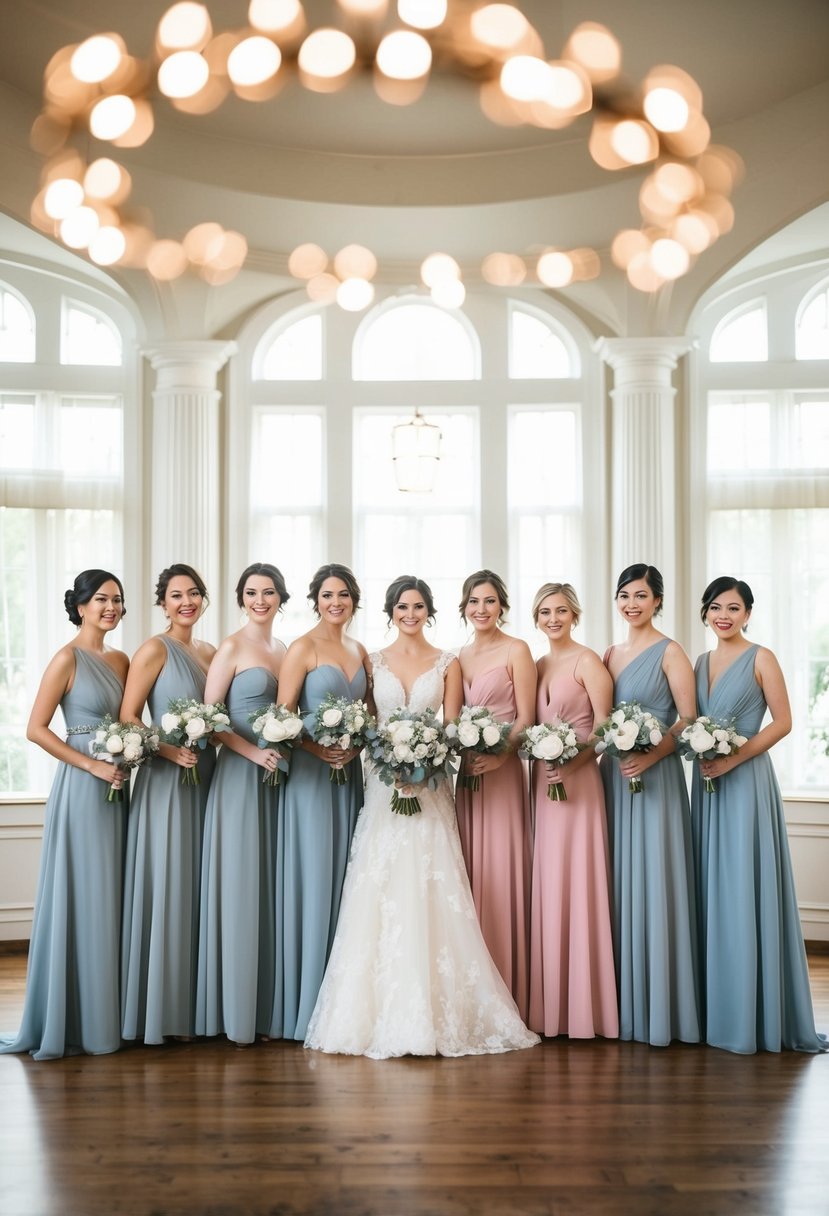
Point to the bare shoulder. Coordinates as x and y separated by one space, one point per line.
766 662
61 666
206 649
675 655
151 651
302 650
589 662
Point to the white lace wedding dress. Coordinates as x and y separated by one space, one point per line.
409 973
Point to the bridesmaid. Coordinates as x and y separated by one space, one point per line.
319 816
235 986
572 976
755 990
164 834
498 672
654 911
72 1001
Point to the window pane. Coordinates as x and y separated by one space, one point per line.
536 352
90 437
415 342
810 441
543 465
296 353
88 337
17 330
739 435
741 338
17 431
812 335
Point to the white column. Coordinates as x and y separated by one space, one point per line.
643 490
186 470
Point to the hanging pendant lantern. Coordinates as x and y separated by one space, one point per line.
416 454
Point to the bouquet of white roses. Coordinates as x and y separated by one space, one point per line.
278 728
555 743
630 728
476 730
126 744
190 723
338 722
706 739
410 749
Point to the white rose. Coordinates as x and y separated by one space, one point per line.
700 740
100 735
258 725
402 731
468 734
187 714
420 751
548 748
570 739
720 735
655 736
132 738
359 722
492 736
114 745
169 723
344 742
332 717
293 727
195 728
739 740
221 719
626 736
273 730
618 717
132 753
724 748
450 730
429 734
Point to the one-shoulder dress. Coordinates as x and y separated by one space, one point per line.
572 976
237 945
654 909
160 932
494 826
409 972
319 819
72 989
755 982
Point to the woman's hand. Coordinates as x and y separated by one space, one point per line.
720 766
476 764
337 757
267 758
184 757
638 763
113 774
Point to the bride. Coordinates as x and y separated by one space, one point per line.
409 973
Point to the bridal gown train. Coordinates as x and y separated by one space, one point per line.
409 972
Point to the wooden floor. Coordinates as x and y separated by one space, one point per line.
560 1130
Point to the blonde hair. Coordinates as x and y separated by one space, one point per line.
566 591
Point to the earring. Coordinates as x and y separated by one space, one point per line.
745 627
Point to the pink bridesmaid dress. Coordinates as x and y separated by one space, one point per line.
572 974
494 826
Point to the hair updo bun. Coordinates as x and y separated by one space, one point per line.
85 586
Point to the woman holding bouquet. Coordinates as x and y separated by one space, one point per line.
164 836
572 976
237 944
320 814
654 914
409 972
72 1001
499 673
755 982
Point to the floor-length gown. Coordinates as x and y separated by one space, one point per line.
755 982
654 909
494 826
160 931
72 985
237 945
572 976
409 972
319 819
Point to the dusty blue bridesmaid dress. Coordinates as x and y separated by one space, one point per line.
755 982
72 1000
654 914
234 990
160 931
319 818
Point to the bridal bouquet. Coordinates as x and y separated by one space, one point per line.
190 723
338 722
410 749
278 728
555 743
125 744
706 739
476 730
630 728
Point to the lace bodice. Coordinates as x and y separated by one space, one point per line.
426 692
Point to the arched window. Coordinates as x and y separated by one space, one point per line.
292 352
88 337
17 327
414 341
812 324
741 336
538 350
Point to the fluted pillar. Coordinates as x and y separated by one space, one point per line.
643 490
186 474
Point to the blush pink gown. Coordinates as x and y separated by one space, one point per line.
494 827
572 975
